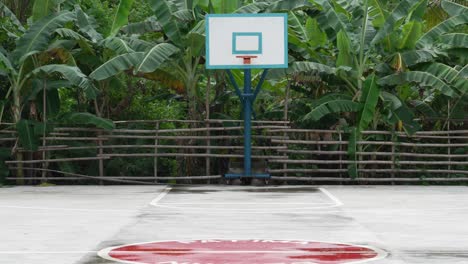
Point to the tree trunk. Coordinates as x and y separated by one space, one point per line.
16 118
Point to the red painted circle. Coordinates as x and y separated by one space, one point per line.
240 252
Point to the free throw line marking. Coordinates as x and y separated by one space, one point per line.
156 200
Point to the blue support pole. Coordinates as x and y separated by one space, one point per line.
248 96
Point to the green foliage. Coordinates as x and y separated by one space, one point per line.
118 45
410 35
163 13
330 104
400 11
121 16
36 38
87 25
424 79
139 61
369 98
414 57
73 75
116 65
6 12
143 27
223 7
345 57
454 9
303 66
155 57
455 40
26 135
316 37
87 119
430 37
43 8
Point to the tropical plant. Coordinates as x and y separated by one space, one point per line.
41 61
375 59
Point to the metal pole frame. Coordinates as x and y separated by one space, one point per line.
247 99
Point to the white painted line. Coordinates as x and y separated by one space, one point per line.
45 252
171 204
253 210
70 209
156 200
258 210
332 197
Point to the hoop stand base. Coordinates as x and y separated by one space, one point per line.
239 176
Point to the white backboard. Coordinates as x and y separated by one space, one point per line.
231 35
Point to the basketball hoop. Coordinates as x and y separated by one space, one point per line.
247 59
233 41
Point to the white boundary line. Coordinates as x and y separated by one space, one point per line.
332 197
156 200
253 210
45 252
70 209
104 253
168 204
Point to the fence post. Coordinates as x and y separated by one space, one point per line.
207 125
449 150
208 150
101 161
393 162
44 141
155 162
341 155
286 118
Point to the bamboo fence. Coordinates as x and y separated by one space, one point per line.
181 151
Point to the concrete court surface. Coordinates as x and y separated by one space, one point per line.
72 224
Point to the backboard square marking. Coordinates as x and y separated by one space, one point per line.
247 43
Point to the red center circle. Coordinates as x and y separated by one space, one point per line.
240 252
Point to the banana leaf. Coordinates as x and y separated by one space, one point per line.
369 99
424 79
37 37
72 74
87 119
120 17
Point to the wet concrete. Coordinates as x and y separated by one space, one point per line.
70 224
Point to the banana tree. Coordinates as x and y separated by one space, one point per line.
40 53
159 58
337 42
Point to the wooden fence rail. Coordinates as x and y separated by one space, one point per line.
159 151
